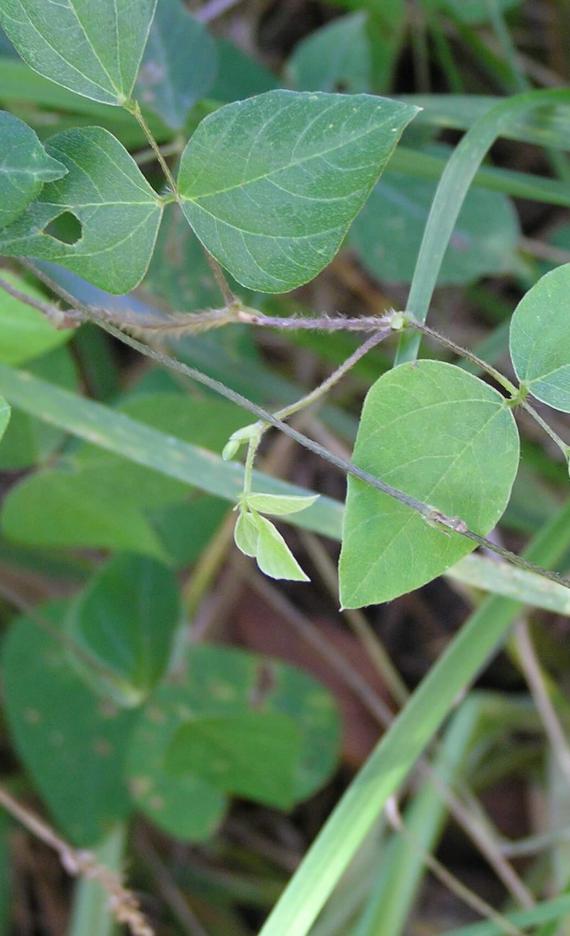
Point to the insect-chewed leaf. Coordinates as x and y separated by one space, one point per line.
447 439
273 555
179 65
271 184
279 505
540 339
92 47
24 167
105 191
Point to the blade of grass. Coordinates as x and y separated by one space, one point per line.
90 912
199 468
510 182
450 195
392 759
400 877
545 912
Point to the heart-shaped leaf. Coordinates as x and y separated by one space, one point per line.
70 740
119 213
125 620
222 683
179 65
24 167
271 185
444 437
92 47
227 752
540 339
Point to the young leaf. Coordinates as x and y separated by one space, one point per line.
92 48
70 741
279 505
24 167
4 416
228 752
246 534
540 339
274 557
335 57
388 232
179 65
105 191
444 437
125 620
26 333
271 185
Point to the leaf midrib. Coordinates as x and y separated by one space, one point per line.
292 165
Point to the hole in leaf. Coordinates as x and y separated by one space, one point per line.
65 228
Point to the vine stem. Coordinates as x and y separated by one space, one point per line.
123 903
431 515
133 107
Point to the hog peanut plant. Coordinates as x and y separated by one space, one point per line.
285 515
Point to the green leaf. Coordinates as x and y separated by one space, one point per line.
271 185
239 75
246 534
336 57
179 65
274 557
444 437
4 416
179 275
24 167
279 505
76 509
221 683
29 441
26 333
540 339
94 49
251 754
474 12
69 740
105 191
185 807
125 620
388 232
